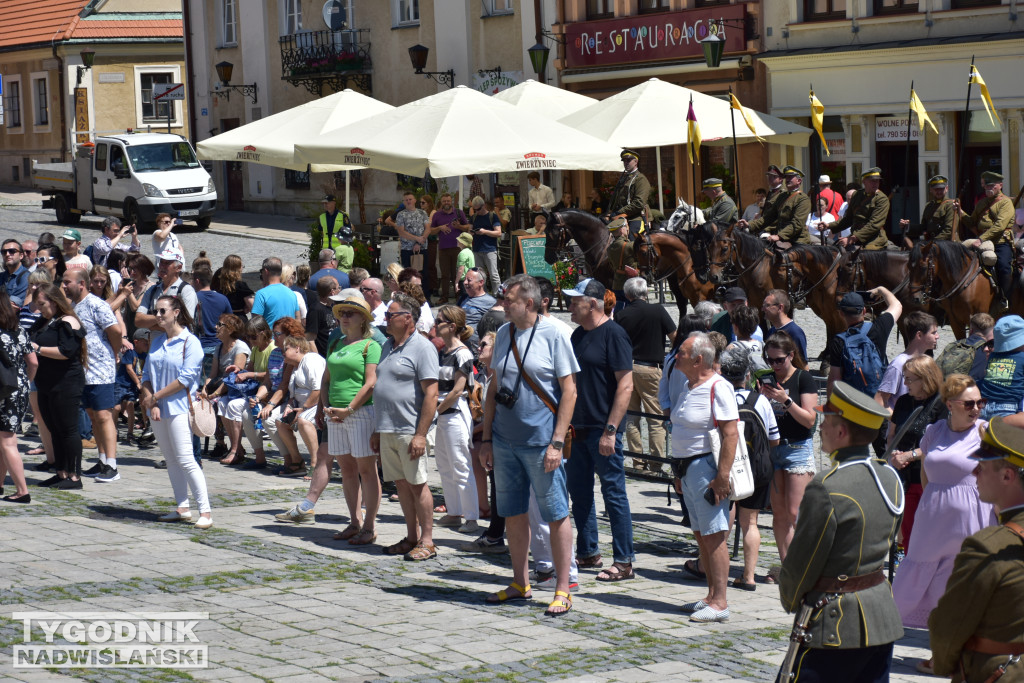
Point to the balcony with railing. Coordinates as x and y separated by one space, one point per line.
338 59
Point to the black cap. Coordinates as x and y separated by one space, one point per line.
330 198
852 302
735 294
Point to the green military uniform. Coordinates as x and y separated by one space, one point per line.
985 593
723 211
992 220
847 521
937 217
620 255
631 192
791 225
866 216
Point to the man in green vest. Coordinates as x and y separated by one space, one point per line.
332 222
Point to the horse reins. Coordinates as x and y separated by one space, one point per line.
970 276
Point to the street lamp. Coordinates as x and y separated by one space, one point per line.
224 70
714 46
539 59
418 56
88 58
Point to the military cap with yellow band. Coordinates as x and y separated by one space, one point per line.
872 173
712 182
1001 441
627 153
792 170
938 181
855 406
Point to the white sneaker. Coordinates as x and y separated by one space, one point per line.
206 523
297 516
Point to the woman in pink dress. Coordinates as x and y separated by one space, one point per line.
950 509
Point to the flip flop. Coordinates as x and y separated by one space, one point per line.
562 599
521 593
690 568
616 572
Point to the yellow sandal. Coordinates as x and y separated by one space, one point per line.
504 596
562 599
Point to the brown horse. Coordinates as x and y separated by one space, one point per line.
811 273
950 275
741 259
665 256
591 236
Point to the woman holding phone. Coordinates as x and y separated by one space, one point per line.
793 395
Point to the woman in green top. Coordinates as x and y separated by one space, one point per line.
348 413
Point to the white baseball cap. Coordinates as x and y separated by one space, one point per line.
173 254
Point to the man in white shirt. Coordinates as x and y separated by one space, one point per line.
372 290
541 197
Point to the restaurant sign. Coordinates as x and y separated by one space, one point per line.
652 37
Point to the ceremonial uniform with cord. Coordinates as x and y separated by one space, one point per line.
847 521
629 198
791 220
977 628
866 216
992 221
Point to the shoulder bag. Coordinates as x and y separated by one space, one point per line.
741 476
545 399
202 419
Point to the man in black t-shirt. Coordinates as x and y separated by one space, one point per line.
853 309
604 384
320 318
648 328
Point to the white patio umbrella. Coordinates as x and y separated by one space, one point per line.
459 132
271 140
653 114
545 99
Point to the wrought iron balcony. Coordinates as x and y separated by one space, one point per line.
313 59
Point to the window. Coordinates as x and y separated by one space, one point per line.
824 10
656 6
229 23
296 180
12 102
148 111
292 19
495 7
100 158
405 12
41 102
154 111
711 3
600 9
961 4
895 6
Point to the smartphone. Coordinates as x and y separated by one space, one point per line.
709 496
867 296
769 379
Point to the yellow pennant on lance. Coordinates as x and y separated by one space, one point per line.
985 97
693 130
746 116
818 118
922 115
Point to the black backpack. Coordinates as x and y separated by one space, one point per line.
756 435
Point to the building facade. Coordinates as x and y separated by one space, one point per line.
294 51
51 101
861 57
607 46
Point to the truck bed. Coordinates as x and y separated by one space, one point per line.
54 177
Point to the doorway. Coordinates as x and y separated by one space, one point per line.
901 186
979 159
233 174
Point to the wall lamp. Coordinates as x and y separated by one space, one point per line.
88 58
224 70
418 56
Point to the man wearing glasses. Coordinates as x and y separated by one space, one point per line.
776 309
15 275
163 238
328 263
372 290
29 248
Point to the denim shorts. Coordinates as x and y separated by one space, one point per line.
704 518
98 396
996 409
516 470
795 458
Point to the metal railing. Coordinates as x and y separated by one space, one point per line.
315 58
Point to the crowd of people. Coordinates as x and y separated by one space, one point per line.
498 394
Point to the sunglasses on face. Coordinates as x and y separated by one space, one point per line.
389 315
367 289
969 405
163 311
776 361
43 259
11 251
346 314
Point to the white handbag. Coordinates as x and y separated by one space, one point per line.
741 476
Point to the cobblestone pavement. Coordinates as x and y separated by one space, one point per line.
289 603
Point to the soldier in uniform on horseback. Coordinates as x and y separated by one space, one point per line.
786 220
937 217
629 198
992 221
865 216
723 211
776 189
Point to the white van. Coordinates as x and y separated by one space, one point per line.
135 175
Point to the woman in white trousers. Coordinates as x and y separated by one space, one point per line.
170 377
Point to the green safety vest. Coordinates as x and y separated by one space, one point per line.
332 241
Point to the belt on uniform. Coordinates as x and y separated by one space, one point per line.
849 584
646 364
986 646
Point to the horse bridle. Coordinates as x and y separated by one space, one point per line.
803 293
727 266
970 276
